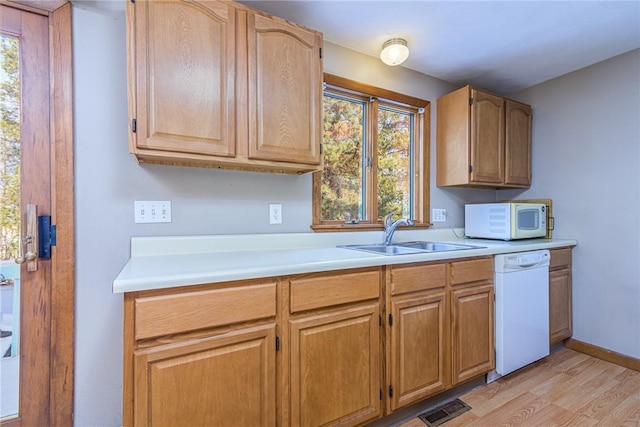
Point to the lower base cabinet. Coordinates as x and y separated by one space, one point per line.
417 348
472 332
335 348
201 355
472 318
335 368
440 327
226 380
416 333
560 322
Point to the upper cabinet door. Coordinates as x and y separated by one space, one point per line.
285 91
184 75
487 138
518 144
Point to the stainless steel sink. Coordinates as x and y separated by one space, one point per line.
408 248
379 248
436 246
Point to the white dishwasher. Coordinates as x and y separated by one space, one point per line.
521 310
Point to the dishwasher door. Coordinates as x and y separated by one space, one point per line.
521 309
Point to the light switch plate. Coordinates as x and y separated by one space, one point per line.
439 215
146 212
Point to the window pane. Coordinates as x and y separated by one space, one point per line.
10 223
342 195
394 162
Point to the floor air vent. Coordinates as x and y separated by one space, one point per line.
444 413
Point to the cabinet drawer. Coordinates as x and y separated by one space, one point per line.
417 278
308 293
560 258
187 311
474 270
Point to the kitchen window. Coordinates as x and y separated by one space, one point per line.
376 157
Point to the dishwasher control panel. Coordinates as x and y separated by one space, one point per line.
523 260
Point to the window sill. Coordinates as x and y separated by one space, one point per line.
323 228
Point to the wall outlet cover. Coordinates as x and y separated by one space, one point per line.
275 213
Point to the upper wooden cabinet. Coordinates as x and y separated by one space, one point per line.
285 96
517 144
483 140
214 83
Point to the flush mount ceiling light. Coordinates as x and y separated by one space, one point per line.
394 52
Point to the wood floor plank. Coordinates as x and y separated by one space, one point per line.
509 388
461 420
589 391
629 382
567 388
626 414
572 362
565 383
604 404
514 412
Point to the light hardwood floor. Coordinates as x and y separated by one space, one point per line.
567 388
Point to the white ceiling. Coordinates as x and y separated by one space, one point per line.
502 46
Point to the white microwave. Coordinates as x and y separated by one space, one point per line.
505 221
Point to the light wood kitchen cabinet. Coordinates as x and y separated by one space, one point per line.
224 380
285 96
560 317
416 337
334 349
217 84
483 140
517 144
472 319
201 355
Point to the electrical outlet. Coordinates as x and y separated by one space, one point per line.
146 212
275 213
439 215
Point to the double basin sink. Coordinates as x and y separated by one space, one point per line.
407 248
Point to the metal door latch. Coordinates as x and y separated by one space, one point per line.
46 236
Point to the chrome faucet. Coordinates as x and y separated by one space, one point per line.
390 226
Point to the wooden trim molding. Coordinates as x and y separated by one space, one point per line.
385 94
604 354
63 264
41 6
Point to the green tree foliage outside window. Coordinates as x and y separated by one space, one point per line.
343 150
347 156
9 148
395 150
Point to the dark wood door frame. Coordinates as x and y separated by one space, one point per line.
63 258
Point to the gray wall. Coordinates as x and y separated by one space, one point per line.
207 201
586 157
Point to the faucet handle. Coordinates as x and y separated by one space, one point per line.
388 220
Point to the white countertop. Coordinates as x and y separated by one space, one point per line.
164 262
